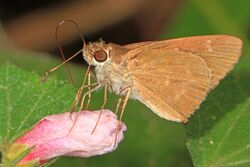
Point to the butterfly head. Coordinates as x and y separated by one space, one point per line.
96 53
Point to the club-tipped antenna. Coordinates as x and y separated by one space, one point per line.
60 46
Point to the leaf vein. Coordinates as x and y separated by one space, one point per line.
228 132
237 163
31 111
8 105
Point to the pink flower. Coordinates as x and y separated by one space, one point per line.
55 136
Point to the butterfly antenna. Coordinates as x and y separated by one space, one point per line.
60 46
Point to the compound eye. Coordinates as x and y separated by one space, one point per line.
100 56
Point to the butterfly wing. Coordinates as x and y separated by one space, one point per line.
172 77
172 84
220 52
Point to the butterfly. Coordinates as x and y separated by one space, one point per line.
171 77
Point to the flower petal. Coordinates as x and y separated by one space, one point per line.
70 135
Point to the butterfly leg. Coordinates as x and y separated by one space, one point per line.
97 86
103 105
128 93
118 105
89 95
89 87
79 92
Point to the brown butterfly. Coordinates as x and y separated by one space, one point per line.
171 77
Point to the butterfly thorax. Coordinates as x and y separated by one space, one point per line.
116 76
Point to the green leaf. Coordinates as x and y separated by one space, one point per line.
218 134
24 100
212 135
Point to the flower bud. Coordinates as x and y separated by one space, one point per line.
71 135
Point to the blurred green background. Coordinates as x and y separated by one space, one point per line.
27 39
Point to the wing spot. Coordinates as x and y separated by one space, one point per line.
178 96
210 49
166 82
176 49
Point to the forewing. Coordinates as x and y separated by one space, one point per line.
170 83
220 52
